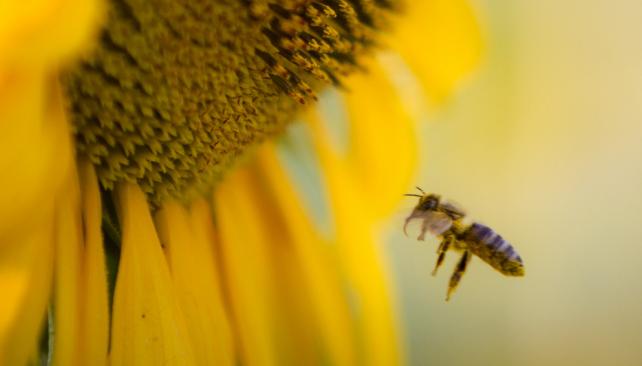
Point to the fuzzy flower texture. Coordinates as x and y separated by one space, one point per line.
201 182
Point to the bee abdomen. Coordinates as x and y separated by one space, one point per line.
494 250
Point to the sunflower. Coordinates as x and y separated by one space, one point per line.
158 204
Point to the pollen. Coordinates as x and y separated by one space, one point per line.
176 91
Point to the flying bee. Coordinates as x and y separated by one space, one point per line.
446 221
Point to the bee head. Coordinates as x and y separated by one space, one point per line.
429 202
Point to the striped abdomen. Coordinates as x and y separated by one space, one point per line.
493 249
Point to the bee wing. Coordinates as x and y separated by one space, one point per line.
434 221
453 207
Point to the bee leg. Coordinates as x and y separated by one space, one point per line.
459 271
441 252
424 228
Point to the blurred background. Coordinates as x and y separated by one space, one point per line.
544 144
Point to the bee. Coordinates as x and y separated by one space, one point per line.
446 221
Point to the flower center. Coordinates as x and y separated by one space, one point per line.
175 91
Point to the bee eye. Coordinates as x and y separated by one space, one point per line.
429 205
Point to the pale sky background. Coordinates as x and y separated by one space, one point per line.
544 144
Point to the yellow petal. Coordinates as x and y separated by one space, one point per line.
37 32
247 271
362 261
316 262
34 174
36 38
26 263
35 157
148 327
203 231
191 260
80 286
67 274
441 42
36 148
383 145
94 324
273 298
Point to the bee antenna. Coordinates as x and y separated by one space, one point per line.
412 195
420 190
